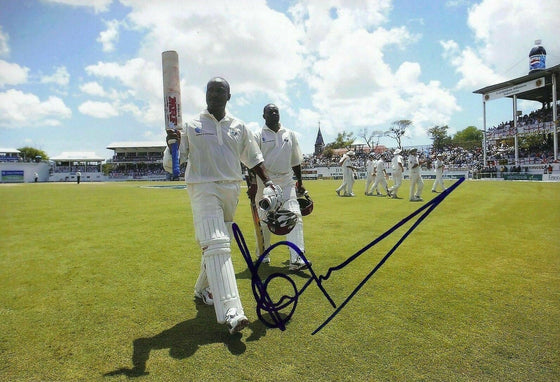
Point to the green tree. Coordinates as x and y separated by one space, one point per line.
468 138
398 129
106 168
343 139
30 153
535 142
439 136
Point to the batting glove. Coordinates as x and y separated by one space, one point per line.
173 136
272 197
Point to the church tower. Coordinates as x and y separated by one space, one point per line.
319 143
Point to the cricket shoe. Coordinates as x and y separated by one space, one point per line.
299 265
205 295
235 321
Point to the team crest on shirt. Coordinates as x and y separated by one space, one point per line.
199 131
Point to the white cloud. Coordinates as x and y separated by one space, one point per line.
12 74
474 72
142 82
108 37
353 84
60 77
94 89
505 32
231 39
136 74
98 109
97 5
252 56
18 110
4 47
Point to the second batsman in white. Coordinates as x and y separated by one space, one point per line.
213 145
282 159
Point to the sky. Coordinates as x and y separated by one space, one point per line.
78 75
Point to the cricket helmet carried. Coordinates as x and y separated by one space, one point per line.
280 222
305 204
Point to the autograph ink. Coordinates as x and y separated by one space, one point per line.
281 311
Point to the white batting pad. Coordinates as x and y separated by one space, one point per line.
221 278
214 237
202 281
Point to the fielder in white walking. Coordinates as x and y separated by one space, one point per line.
213 145
380 176
282 159
370 178
416 182
347 174
397 168
438 165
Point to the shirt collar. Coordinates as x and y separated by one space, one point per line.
206 113
265 127
227 117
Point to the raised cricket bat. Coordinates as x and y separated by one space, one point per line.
172 101
256 220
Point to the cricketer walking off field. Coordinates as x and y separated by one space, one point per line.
370 163
380 176
347 175
438 164
416 182
282 159
397 168
214 143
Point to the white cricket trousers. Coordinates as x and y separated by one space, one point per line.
397 179
416 184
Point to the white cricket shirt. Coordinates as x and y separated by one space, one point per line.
280 150
213 149
413 160
395 163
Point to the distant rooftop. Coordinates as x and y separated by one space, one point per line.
9 150
78 156
127 145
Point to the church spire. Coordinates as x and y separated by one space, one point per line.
319 143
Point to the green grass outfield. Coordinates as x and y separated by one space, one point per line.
97 280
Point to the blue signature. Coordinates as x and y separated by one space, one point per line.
275 314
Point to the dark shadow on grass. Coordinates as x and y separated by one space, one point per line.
184 339
266 270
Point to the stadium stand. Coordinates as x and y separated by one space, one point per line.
137 161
